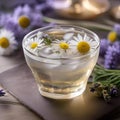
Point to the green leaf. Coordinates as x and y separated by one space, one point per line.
47 41
106 76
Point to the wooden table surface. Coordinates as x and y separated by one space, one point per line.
10 107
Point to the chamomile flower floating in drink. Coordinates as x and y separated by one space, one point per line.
71 44
83 47
83 44
33 44
8 43
63 47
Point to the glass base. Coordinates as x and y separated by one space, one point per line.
61 96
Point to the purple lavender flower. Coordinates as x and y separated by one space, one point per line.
103 46
43 8
112 57
59 4
92 89
114 92
13 3
117 46
3 18
37 20
2 93
40 7
117 28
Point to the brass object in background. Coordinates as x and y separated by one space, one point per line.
115 12
80 9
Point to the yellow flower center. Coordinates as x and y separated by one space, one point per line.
112 36
83 47
4 42
64 45
33 45
24 21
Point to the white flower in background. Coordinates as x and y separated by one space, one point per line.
8 43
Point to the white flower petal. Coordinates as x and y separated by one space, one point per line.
84 37
79 37
75 38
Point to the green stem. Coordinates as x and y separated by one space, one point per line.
106 76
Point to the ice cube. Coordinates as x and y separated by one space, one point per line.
68 36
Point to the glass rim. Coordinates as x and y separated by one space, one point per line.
62 26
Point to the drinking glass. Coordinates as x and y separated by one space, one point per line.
61 70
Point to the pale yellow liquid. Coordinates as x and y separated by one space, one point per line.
62 81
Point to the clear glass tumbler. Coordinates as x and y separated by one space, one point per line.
61 58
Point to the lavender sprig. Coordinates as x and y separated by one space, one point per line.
104 91
110 48
106 76
103 46
2 93
117 28
101 91
106 83
112 57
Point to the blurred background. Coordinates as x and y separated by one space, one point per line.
105 11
